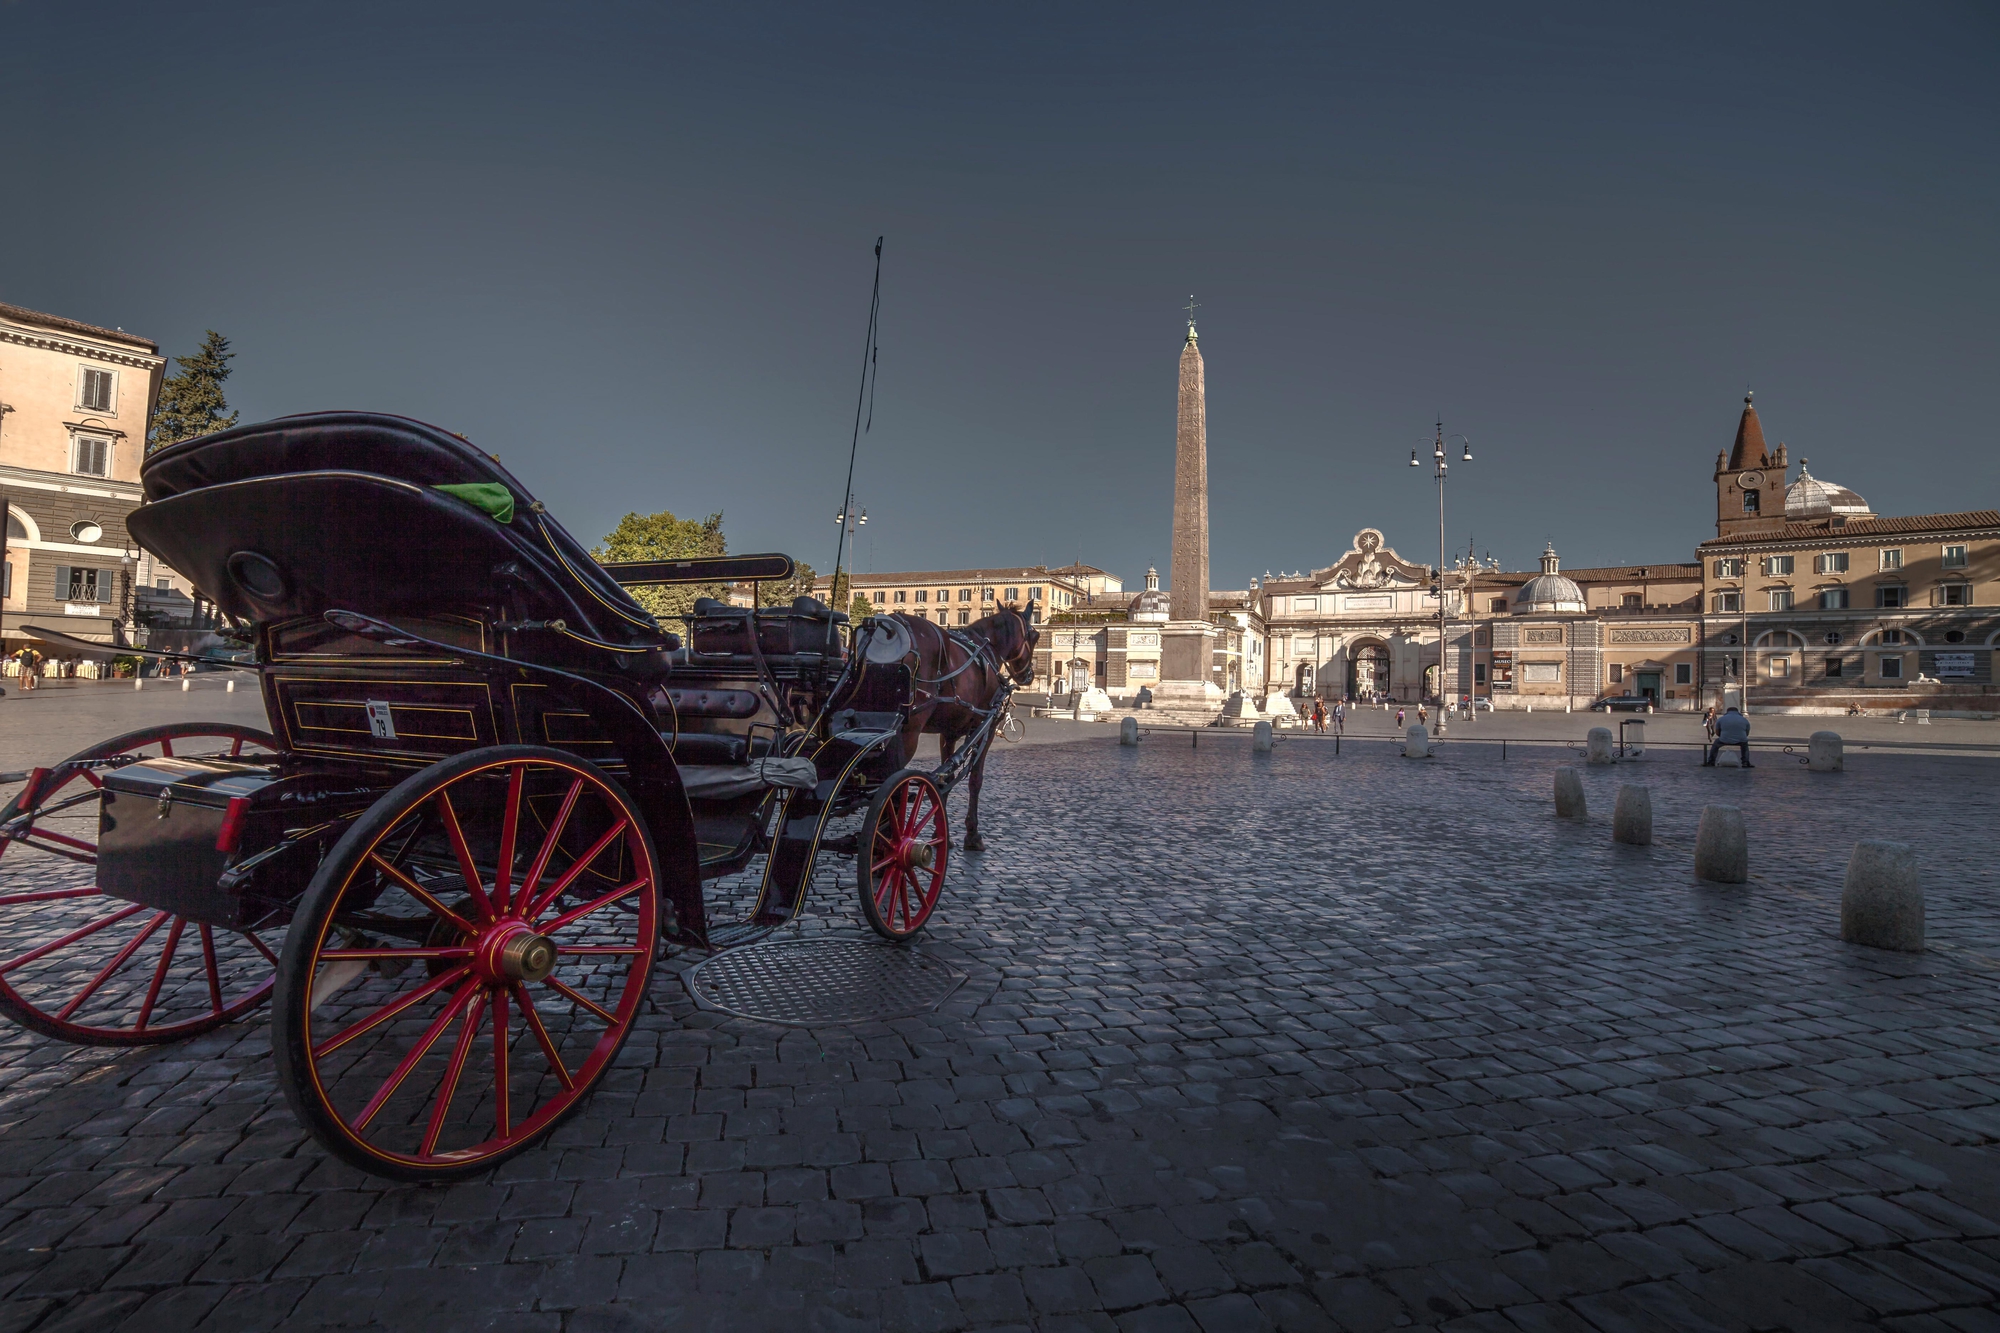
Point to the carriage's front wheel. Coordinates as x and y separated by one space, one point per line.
905 847
467 963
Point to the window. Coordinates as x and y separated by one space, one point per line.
1891 595
1777 564
1729 601
1499 604
1479 673
1035 594
965 617
902 596
163 585
1954 636
1892 558
1729 567
77 584
1781 599
1013 594
986 594
1833 599
1892 636
1750 499
923 595
1892 668
7 579
91 456
880 598
1779 669
965 594
93 391
944 617
1634 601
1955 594
944 594
1683 673
1617 670
1831 562
1833 668
1954 557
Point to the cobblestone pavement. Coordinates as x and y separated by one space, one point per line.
1300 1041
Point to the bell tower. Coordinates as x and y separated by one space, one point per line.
1750 482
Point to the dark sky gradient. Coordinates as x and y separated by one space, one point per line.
627 248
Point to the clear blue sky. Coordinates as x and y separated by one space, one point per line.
627 248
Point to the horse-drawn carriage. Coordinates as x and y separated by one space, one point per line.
493 791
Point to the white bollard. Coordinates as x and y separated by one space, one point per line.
184 684
1260 737
138 682
1825 752
1570 803
1632 817
231 686
1882 902
1128 731
1597 747
1416 743
1721 848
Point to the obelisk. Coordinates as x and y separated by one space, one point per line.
1187 642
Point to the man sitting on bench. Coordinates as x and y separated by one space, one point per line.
1732 728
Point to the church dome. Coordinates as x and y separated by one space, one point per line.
1549 590
1810 498
1152 605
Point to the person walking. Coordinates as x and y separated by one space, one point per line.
1732 728
1399 719
28 659
1423 716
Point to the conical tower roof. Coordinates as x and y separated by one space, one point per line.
1749 450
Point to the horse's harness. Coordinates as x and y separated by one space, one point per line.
976 650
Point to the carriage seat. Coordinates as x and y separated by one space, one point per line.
719 782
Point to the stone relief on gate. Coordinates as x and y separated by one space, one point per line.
1369 565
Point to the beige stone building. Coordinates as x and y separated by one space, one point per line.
960 596
74 405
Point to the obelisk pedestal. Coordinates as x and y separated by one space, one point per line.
1187 640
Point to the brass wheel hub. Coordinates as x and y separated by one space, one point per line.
919 856
514 952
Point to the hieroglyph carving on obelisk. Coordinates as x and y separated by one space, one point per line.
1189 595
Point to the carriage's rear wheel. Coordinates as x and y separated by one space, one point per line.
84 967
905 847
467 963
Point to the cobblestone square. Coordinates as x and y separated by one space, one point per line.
1299 1041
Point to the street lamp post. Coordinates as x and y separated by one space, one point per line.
851 518
1437 581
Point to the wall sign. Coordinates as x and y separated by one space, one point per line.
1649 634
1503 670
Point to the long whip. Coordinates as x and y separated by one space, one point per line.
864 397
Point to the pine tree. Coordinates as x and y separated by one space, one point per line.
191 401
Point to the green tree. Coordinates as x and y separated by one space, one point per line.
191 400
661 536
860 609
781 592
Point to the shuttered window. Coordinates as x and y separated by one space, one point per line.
93 456
94 394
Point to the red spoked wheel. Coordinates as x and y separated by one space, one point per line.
467 963
100 971
905 848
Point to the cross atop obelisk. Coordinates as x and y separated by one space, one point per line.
1188 599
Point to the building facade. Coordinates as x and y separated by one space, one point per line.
75 401
960 596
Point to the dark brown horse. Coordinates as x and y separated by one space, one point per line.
957 679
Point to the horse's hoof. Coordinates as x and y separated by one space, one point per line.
974 843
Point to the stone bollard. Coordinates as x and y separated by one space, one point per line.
1721 849
1417 743
1632 817
138 682
1635 739
1128 731
1260 737
1825 753
1882 902
1597 747
1569 794
184 684
231 686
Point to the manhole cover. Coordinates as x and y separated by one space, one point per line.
827 980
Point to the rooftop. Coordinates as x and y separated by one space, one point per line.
21 315
1862 529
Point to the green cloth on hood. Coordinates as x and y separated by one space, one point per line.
489 497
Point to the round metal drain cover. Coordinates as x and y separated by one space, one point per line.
809 982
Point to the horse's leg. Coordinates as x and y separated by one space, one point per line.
973 842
